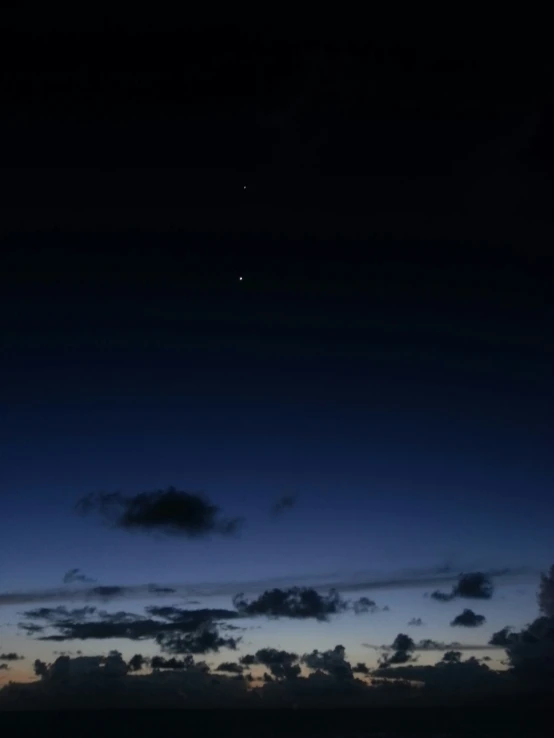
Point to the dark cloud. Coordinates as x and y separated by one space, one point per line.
358 582
402 646
75 575
106 593
545 597
332 662
281 664
451 677
137 662
441 596
248 659
475 585
531 652
159 662
416 622
170 511
283 503
178 630
203 640
296 602
154 589
360 668
55 614
365 605
230 667
4 666
468 619
452 656
10 656
501 637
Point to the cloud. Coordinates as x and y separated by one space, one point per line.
169 511
364 605
501 637
360 668
75 575
416 622
4 666
10 656
176 631
475 585
545 597
331 662
281 664
452 656
283 503
296 602
154 589
230 667
468 619
360 581
159 662
137 662
402 646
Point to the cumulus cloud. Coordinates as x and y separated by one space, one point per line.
468 619
452 656
159 662
4 666
176 630
331 662
475 585
11 656
416 622
402 648
360 668
296 602
137 662
169 511
502 637
76 575
286 502
231 667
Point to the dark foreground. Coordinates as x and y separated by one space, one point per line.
526 718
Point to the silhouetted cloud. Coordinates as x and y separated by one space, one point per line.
159 662
360 668
75 575
475 585
296 602
248 659
331 662
137 662
230 667
170 511
4 666
452 656
468 619
501 637
416 622
364 605
178 631
281 664
283 503
154 589
545 597
402 646
10 656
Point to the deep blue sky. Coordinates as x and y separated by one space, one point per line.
386 360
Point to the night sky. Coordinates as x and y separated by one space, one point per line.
310 282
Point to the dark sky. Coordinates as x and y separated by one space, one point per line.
385 361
